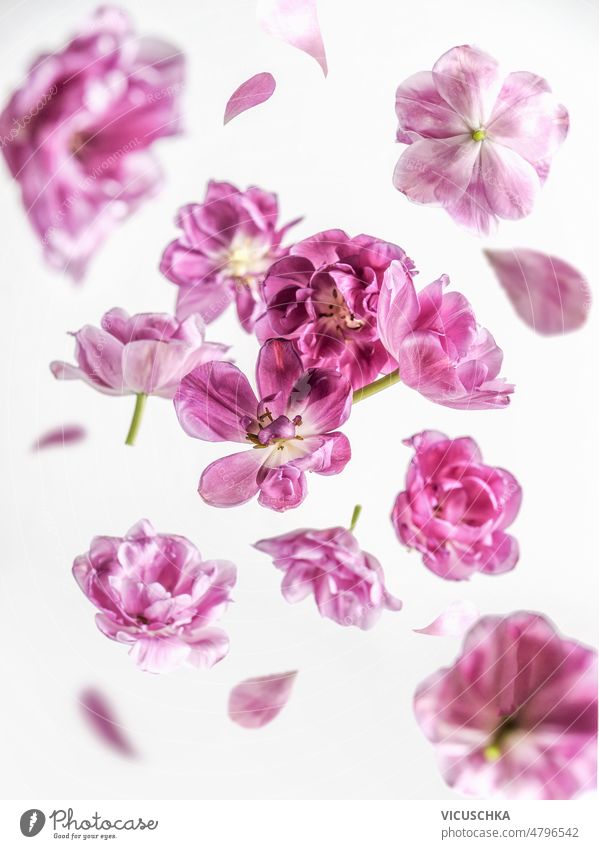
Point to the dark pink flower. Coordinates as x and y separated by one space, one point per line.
147 353
156 594
348 584
480 143
455 509
227 245
441 349
515 717
77 134
324 296
287 428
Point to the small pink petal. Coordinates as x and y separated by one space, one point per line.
103 722
249 94
453 622
63 435
296 22
257 701
549 294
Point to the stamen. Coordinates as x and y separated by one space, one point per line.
479 135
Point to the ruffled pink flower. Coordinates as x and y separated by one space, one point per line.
348 584
480 143
324 296
287 428
455 509
227 245
77 135
440 348
145 354
515 717
156 594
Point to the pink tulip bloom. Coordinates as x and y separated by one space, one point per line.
441 349
480 143
156 594
324 296
515 717
348 584
287 428
455 509
77 135
227 244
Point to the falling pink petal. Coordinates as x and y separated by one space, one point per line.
257 701
549 294
296 22
251 93
453 622
103 722
63 435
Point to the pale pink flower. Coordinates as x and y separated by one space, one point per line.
156 595
481 143
77 134
515 717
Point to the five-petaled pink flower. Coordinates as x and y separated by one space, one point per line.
227 245
441 349
348 584
515 717
287 428
324 296
480 143
77 134
455 509
156 594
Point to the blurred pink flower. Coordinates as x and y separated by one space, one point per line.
441 349
455 509
227 245
257 701
515 717
324 296
157 595
548 293
348 584
76 136
480 143
287 428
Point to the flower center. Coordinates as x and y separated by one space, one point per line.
480 134
246 259
494 750
274 432
336 309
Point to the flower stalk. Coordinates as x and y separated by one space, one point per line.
354 517
376 386
140 404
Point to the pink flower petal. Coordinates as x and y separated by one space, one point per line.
101 719
549 294
252 92
63 435
257 701
453 622
296 22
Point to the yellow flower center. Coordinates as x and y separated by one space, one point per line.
480 134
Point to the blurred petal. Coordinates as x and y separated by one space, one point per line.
257 701
251 93
296 22
453 622
101 719
63 435
549 294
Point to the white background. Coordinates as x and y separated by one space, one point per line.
327 148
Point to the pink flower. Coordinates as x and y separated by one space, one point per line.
288 429
455 509
77 135
156 594
226 247
515 717
480 143
147 353
441 349
348 583
324 296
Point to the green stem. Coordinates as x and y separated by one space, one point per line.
355 516
140 403
376 386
